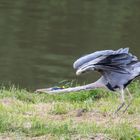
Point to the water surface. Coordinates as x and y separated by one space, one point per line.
40 40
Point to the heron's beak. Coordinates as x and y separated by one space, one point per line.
84 69
78 72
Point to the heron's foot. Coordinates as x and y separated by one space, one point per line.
119 108
127 107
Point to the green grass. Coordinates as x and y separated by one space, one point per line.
26 115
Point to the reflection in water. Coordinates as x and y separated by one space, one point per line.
40 40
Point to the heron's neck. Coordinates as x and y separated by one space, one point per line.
98 84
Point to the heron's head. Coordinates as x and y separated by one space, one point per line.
84 64
84 69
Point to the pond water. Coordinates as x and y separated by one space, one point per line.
40 40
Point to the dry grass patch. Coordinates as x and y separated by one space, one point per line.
76 116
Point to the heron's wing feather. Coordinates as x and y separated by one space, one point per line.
96 60
89 57
112 68
121 50
113 62
116 60
98 54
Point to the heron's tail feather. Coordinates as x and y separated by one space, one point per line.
136 68
122 50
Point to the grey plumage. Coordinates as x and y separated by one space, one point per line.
99 54
118 68
112 65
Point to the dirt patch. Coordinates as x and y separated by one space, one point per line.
46 137
91 116
7 101
13 137
43 110
137 127
98 136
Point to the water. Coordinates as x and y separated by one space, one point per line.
40 40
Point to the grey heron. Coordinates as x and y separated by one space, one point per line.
117 68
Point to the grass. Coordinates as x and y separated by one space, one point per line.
80 115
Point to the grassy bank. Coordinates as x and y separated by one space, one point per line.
76 116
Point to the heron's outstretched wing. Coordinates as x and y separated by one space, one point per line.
97 56
103 68
122 59
115 62
107 60
87 58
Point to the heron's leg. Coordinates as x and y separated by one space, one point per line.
122 100
130 100
129 94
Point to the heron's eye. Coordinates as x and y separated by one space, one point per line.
83 71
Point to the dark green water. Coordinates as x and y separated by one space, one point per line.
40 39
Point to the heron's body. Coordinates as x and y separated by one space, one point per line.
115 80
117 68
